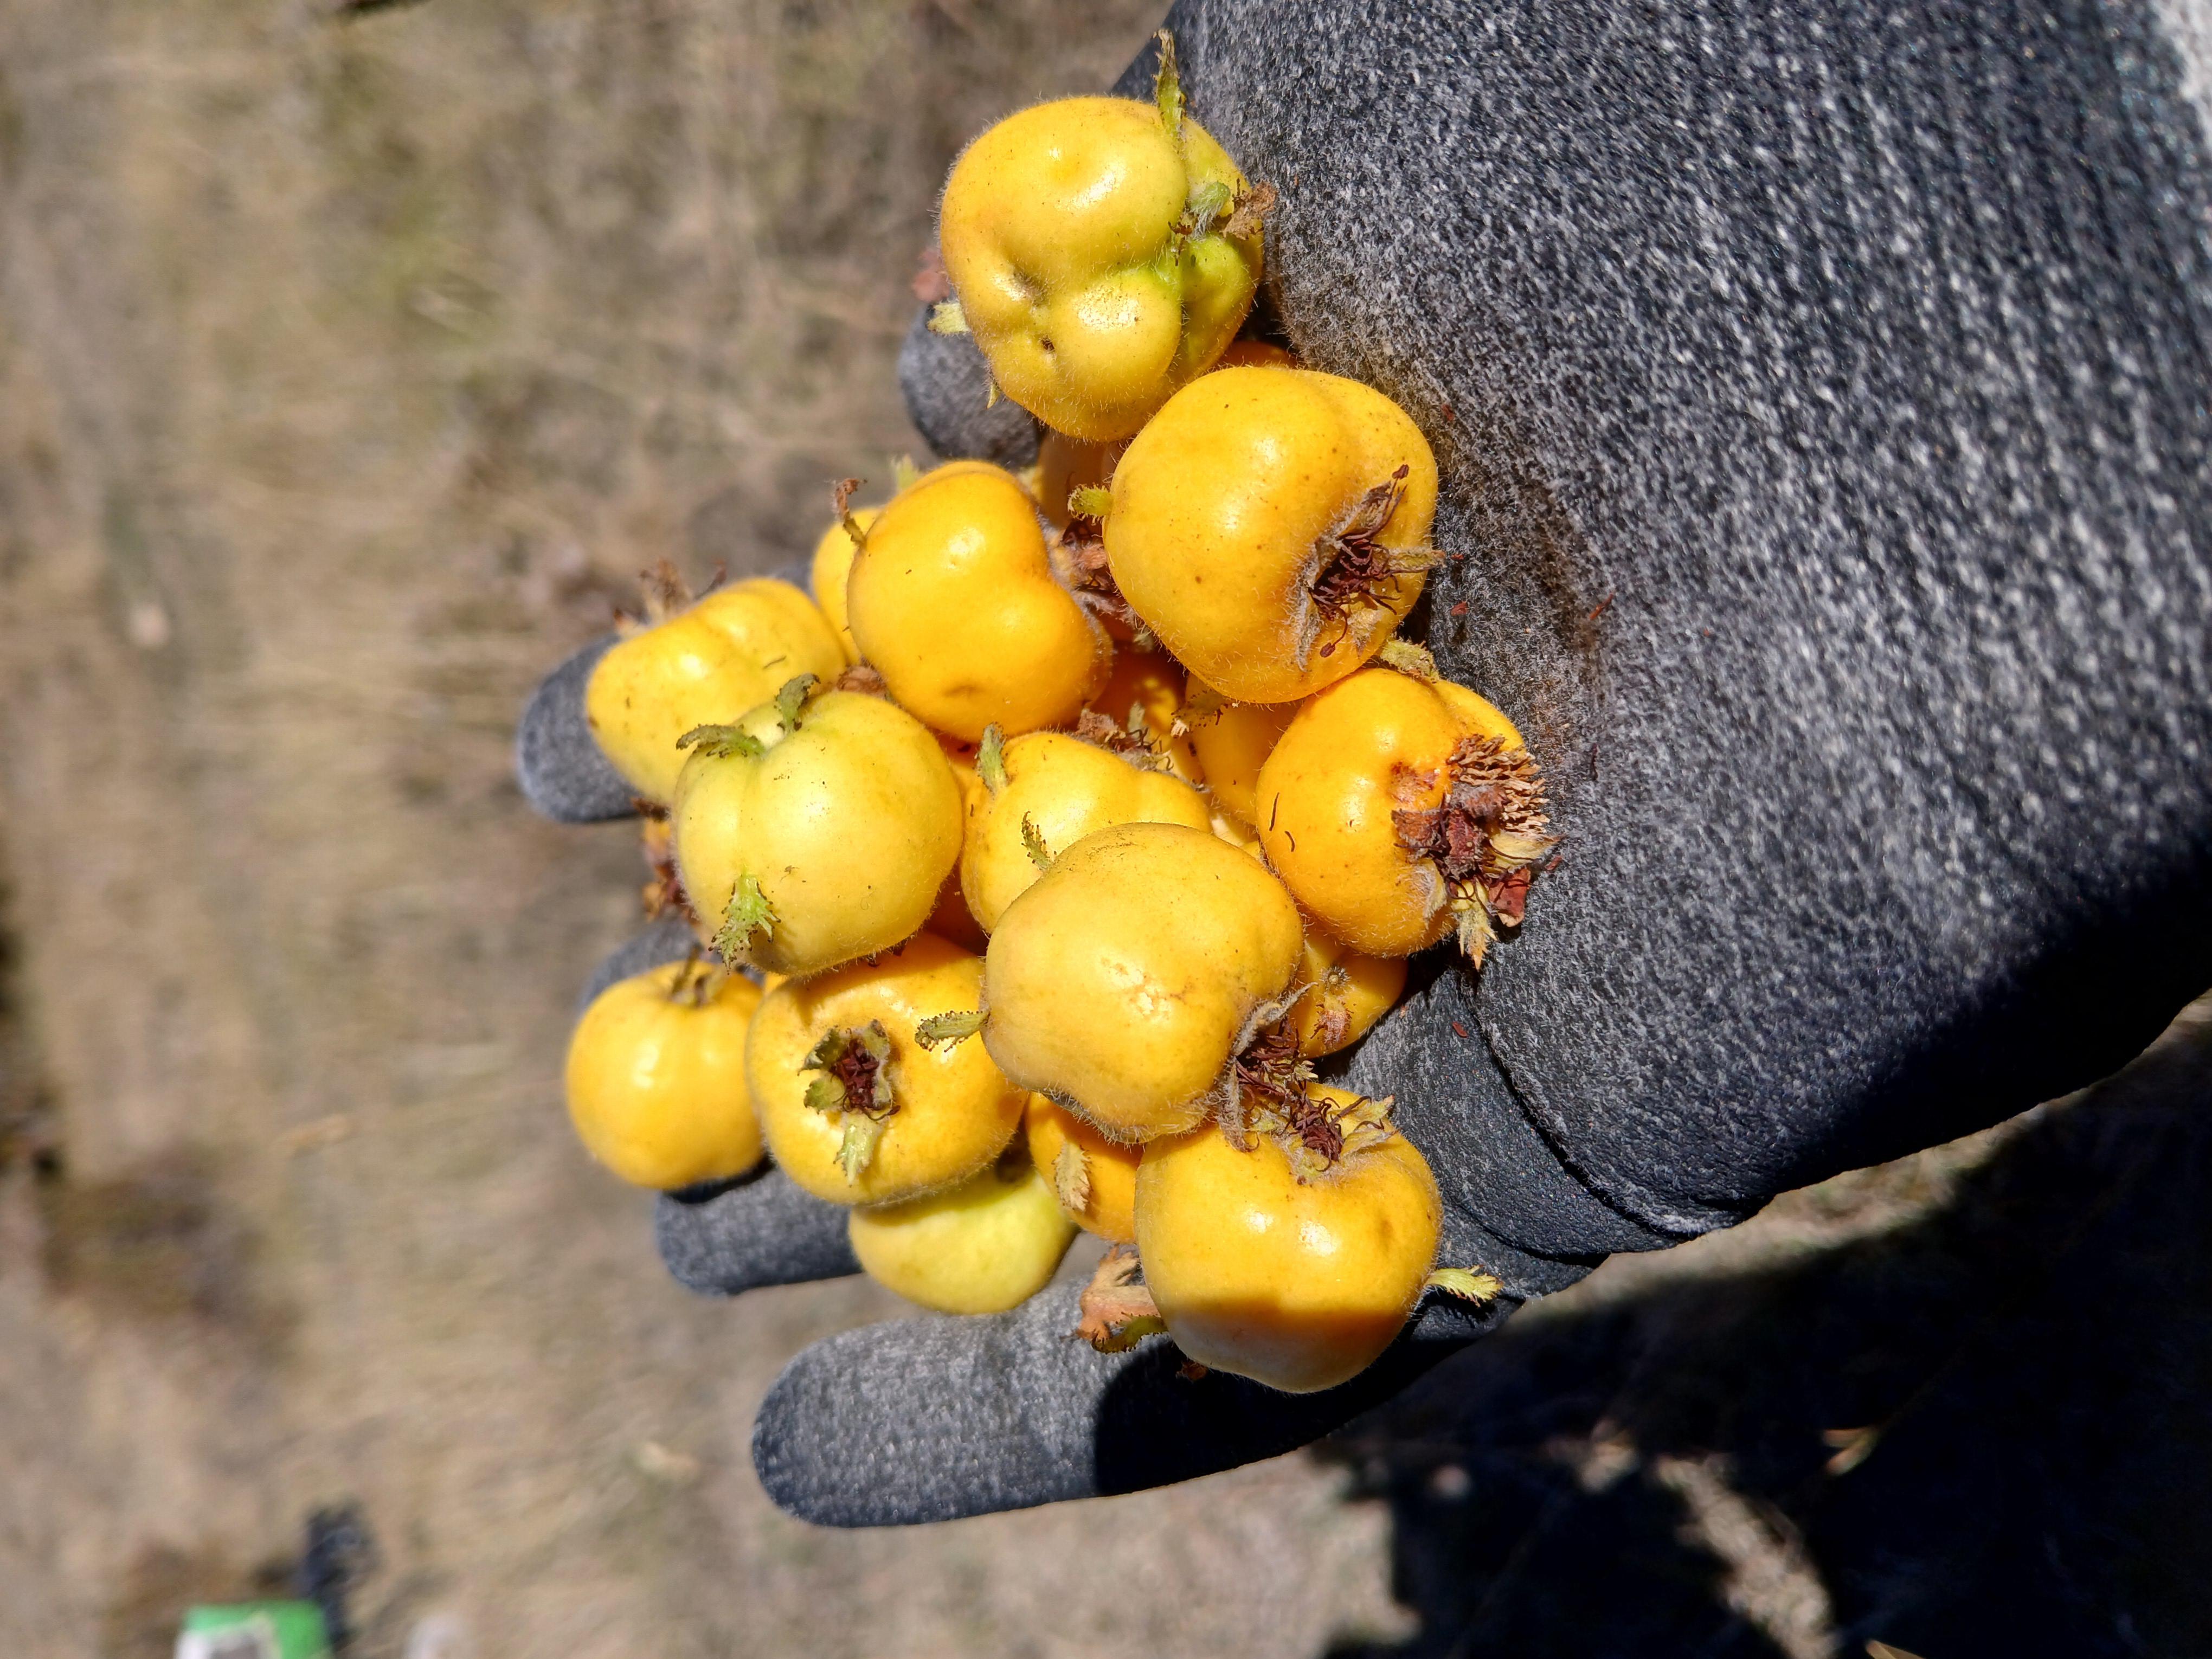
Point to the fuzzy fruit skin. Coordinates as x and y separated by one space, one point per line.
953 602
1066 788
1375 743
1232 742
1120 982
1371 987
832 564
656 1087
1221 504
1109 1208
1151 681
989 1244
711 662
1059 231
955 1112
1299 1286
850 824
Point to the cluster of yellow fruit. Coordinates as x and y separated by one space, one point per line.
1076 814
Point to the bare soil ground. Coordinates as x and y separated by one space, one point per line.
347 372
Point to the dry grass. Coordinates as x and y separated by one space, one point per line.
347 371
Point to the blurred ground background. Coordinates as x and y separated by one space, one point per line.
348 372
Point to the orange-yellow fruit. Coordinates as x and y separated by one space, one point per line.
1150 684
1232 741
1350 992
952 600
1357 754
656 1077
1271 526
1094 1179
1297 1284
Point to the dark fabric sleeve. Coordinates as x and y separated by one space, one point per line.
1821 397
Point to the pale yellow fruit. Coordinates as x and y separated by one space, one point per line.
831 565
951 1112
1065 232
832 841
1057 790
711 662
985 1246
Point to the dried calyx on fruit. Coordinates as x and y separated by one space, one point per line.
855 1110
1355 569
1485 840
854 1076
1272 1092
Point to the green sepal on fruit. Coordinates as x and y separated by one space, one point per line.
817 828
699 663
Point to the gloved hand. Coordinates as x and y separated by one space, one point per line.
1820 396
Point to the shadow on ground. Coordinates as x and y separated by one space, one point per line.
1981 1432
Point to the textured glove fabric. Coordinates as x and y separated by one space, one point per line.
930 1418
1819 398
561 769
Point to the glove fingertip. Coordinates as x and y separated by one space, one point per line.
745 1235
563 774
947 386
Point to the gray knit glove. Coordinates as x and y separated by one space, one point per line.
1821 399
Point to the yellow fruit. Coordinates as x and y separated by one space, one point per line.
1125 977
1150 685
1094 1179
1053 790
812 834
855 1110
1231 740
1065 465
1087 245
712 662
1347 802
1270 524
952 601
1255 354
833 562
987 1245
951 919
656 1077
1299 1284
1350 993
